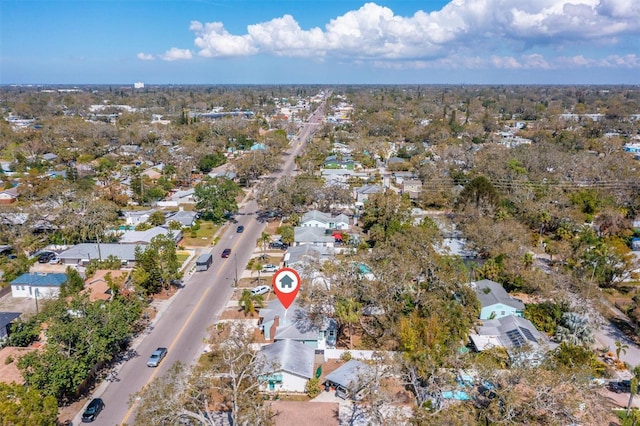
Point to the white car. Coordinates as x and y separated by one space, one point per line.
54 260
261 289
270 268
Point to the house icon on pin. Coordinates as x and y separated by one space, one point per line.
286 282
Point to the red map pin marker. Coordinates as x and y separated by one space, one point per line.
286 284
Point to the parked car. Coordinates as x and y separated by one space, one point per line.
270 268
46 256
93 409
226 252
277 245
240 229
157 356
261 289
54 260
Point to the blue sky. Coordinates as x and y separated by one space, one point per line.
323 41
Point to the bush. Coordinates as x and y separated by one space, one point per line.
346 356
313 387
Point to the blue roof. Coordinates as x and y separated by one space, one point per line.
40 279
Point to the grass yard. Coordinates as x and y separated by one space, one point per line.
203 236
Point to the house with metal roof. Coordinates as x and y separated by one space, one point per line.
350 378
289 365
184 218
41 284
495 301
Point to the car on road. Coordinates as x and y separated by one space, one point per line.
261 289
93 409
240 229
270 268
226 253
157 356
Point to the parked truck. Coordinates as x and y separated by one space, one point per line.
204 262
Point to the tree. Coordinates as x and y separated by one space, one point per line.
480 194
385 213
157 218
74 283
216 197
286 234
211 161
156 265
24 406
574 329
621 348
249 301
634 388
263 240
348 312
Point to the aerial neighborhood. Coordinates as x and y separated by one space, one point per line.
457 255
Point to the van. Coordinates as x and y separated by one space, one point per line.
204 262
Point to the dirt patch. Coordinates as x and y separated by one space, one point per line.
237 313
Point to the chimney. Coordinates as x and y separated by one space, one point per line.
274 326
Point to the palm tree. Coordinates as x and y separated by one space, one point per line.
264 240
621 347
348 311
634 387
249 302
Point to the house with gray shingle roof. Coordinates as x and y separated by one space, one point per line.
145 237
495 301
361 194
521 339
350 378
312 236
278 323
83 253
318 219
289 365
184 218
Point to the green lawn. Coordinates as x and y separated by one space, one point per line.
204 235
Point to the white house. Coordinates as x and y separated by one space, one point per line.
495 301
318 219
289 366
40 285
134 218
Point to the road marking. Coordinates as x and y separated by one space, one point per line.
184 326
153 375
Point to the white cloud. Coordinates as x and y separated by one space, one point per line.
145 56
498 33
175 54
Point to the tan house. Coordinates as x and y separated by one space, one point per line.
9 196
97 286
413 187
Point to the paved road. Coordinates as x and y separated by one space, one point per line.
182 323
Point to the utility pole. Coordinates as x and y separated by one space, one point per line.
235 258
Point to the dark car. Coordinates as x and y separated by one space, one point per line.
240 229
157 356
45 257
93 409
226 252
277 245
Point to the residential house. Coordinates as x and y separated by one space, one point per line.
495 301
183 197
412 187
350 378
289 366
153 173
41 284
278 323
98 287
297 256
184 218
361 194
317 219
81 254
50 157
8 196
6 319
312 236
136 217
145 237
523 342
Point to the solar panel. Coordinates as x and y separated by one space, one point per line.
516 338
528 334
